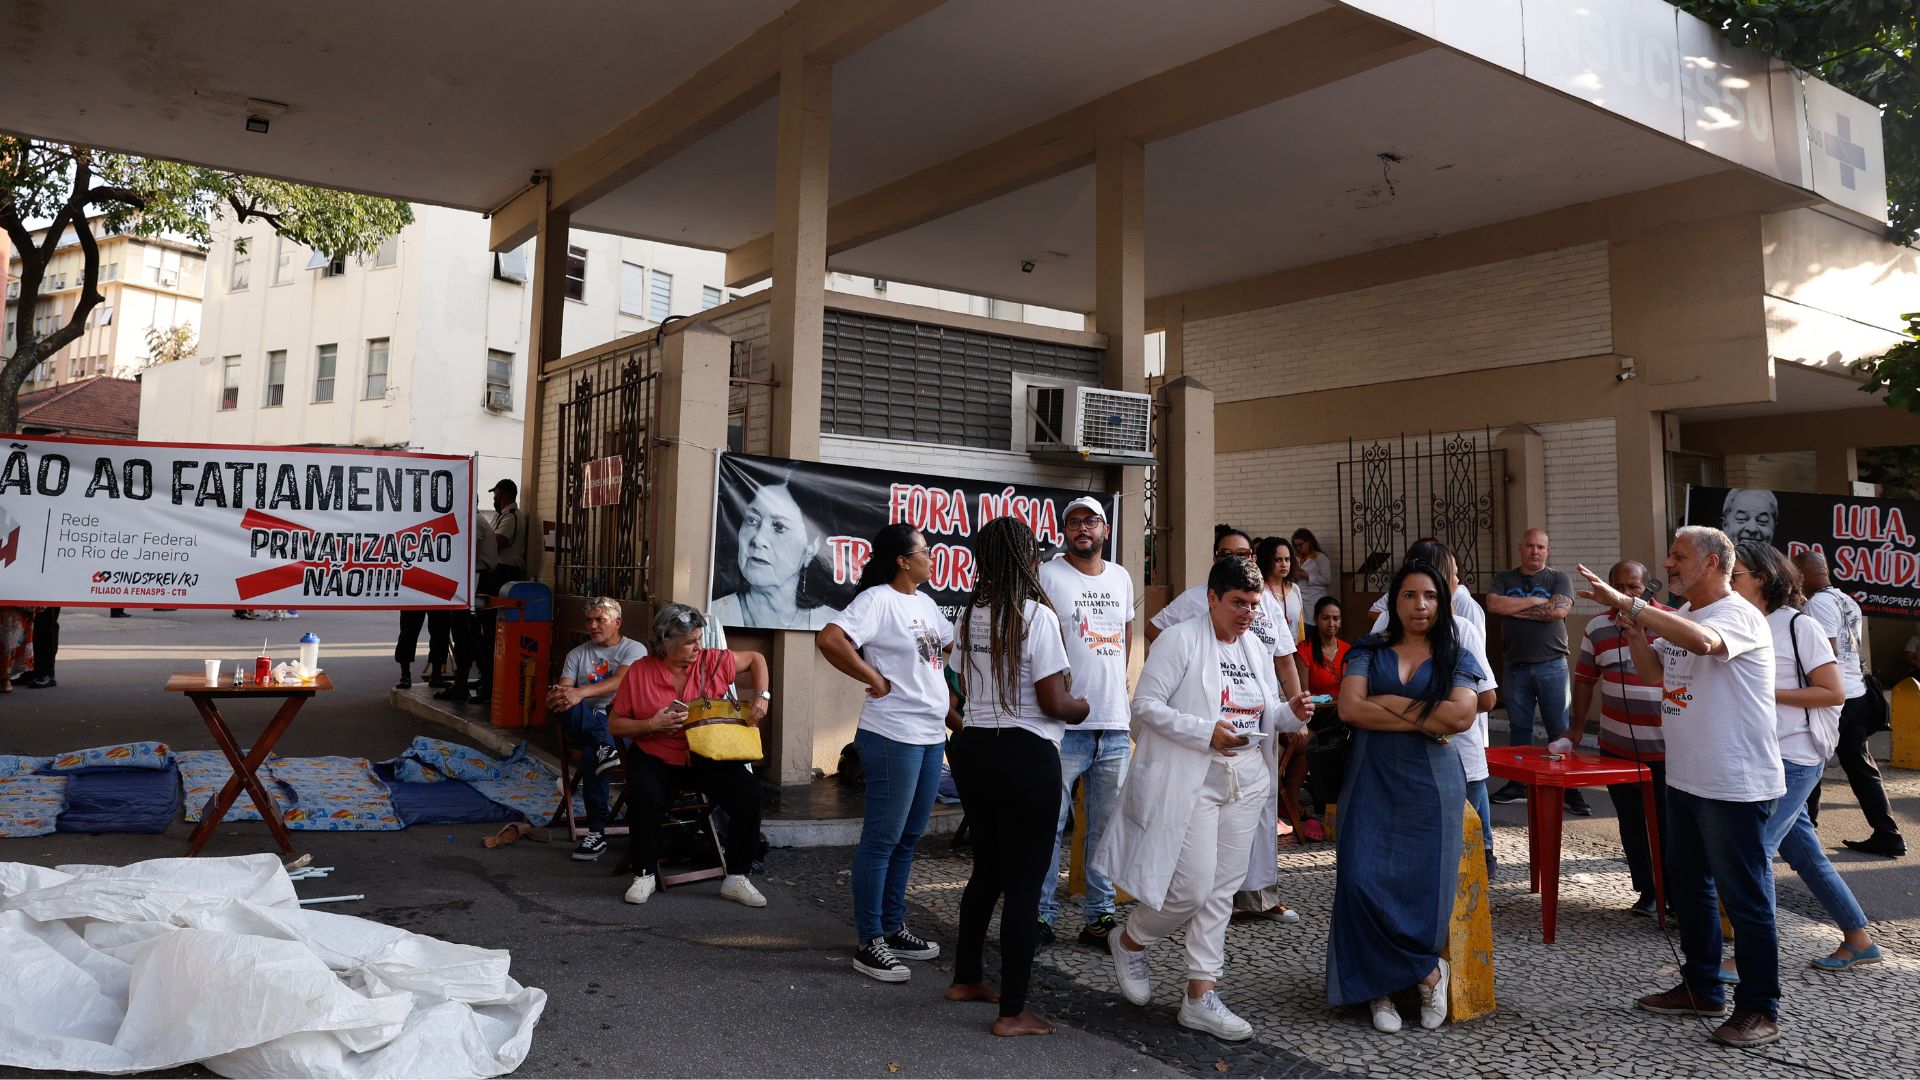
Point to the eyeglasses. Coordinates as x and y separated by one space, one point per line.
1219 554
911 552
1085 524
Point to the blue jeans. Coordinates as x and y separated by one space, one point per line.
586 728
1477 795
1720 848
1101 757
1542 685
902 779
1790 832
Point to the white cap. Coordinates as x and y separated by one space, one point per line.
1087 502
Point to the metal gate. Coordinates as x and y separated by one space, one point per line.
1451 488
603 538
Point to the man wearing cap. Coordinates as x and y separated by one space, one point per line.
1094 599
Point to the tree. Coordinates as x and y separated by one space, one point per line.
170 343
61 185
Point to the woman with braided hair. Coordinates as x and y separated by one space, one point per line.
1012 670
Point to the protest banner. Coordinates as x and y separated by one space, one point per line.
791 537
98 523
1871 550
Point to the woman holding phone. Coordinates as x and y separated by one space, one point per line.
1205 709
893 639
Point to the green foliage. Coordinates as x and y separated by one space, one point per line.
170 343
1868 48
1895 468
1896 372
54 183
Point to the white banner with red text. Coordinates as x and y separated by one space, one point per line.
98 523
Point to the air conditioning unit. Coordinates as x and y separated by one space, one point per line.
1089 425
168 279
499 400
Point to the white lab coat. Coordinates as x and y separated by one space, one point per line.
1175 708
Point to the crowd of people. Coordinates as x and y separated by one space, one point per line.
1734 700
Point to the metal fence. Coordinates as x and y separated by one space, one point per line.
1452 488
607 469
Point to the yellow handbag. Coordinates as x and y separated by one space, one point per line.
718 731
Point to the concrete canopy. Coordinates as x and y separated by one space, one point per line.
1277 133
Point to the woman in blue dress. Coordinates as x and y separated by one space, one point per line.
1405 693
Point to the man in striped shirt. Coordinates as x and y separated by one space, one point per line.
1629 725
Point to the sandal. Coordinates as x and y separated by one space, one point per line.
1869 955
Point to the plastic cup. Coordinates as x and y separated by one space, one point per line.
213 672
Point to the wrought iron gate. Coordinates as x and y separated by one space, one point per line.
1452 488
603 539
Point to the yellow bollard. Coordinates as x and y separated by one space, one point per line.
1470 937
1906 724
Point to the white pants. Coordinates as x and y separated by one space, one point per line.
1213 863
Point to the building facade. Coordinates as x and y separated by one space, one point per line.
146 284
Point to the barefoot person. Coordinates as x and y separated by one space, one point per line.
1207 708
1006 761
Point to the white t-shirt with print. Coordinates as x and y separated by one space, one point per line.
1192 604
1093 614
1840 616
1242 701
1472 743
1717 712
1041 654
904 637
1807 735
1293 607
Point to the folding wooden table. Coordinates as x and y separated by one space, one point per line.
1547 783
246 765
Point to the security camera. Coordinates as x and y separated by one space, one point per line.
1627 369
1623 376
1026 266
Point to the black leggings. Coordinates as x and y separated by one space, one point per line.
1009 781
652 783
439 625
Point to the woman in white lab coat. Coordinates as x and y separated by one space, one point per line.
1205 712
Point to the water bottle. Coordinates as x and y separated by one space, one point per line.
309 653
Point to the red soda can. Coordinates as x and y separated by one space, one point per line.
262 669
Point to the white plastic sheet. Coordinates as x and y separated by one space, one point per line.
157 964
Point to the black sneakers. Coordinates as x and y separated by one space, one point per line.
1577 804
1096 931
1513 792
876 961
592 846
605 757
908 945
1891 845
1646 907
1044 935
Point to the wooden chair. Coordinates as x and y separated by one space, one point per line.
686 809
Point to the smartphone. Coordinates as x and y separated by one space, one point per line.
1253 736
676 703
1321 699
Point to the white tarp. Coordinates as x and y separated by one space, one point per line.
157 964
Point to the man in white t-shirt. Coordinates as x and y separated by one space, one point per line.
587 684
1839 616
1094 600
1714 663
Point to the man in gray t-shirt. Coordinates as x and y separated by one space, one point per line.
586 688
1533 601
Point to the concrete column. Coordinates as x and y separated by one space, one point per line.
1526 485
796 325
1836 467
1188 485
1120 293
1640 443
694 365
543 349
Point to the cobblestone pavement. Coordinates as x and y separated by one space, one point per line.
1565 1009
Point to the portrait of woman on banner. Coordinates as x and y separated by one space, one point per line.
770 562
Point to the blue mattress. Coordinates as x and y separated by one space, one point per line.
447 802
119 800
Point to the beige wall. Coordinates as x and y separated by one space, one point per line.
1835 291
115 343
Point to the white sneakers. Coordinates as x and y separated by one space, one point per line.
1386 1017
641 890
1433 1001
1211 1015
737 888
1130 969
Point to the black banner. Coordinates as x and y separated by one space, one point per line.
790 537
1869 544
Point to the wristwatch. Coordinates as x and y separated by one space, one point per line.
1639 605
765 695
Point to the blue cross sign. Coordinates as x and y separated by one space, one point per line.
1840 146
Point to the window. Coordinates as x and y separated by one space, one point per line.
282 260
388 253
709 297
333 265
633 290
230 384
104 315
56 282
77 368
162 266
13 290
9 330
242 267
1002 309
324 361
110 272
276 378
576 273
499 381
511 265
659 295
376 368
